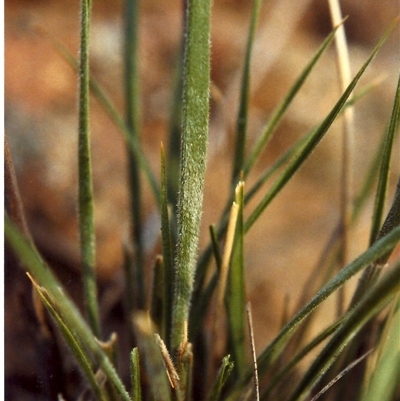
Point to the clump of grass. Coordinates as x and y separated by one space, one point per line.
172 356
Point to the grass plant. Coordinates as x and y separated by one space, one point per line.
175 353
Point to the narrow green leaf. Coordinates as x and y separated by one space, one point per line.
135 375
235 300
369 306
204 258
71 316
384 382
86 218
283 106
310 145
274 350
193 159
222 376
79 353
274 168
383 180
372 272
218 233
132 118
241 124
284 372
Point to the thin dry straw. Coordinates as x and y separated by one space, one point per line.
343 63
340 375
253 351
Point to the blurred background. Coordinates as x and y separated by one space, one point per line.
41 128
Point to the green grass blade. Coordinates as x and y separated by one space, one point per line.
384 383
167 254
392 220
135 376
369 306
71 316
310 145
132 118
193 147
381 190
235 299
80 355
274 168
274 350
283 106
296 148
222 376
370 275
241 124
86 214
284 372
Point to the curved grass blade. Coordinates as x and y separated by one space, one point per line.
132 118
83 361
71 316
274 350
283 106
296 148
369 306
381 190
282 374
196 89
86 213
241 124
310 145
